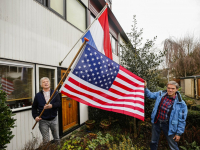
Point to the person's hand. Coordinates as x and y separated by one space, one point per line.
49 106
176 138
145 84
38 119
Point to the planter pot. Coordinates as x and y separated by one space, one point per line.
105 124
90 124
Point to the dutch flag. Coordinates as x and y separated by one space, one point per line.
98 35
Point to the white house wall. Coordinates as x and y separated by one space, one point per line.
23 131
30 32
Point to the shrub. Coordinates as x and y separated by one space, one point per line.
6 121
193 117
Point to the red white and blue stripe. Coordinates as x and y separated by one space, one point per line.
98 35
99 82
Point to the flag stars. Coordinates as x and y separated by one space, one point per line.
96 69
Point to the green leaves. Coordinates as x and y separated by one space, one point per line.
141 58
6 121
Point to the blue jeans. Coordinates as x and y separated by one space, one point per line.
45 125
156 129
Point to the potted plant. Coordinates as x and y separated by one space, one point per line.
90 124
105 124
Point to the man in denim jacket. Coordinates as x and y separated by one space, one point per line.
169 115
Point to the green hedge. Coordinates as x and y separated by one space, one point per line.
193 117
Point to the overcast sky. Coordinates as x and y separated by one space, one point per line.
161 18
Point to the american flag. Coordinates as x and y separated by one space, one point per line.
99 82
7 86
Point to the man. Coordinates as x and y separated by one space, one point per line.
49 118
169 115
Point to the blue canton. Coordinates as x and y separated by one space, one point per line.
96 68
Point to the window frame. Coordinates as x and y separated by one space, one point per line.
22 64
86 15
64 9
37 76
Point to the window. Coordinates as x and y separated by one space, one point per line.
17 81
45 71
113 44
58 6
76 14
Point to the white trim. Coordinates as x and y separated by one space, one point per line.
21 108
15 63
37 75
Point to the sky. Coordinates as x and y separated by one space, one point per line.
161 18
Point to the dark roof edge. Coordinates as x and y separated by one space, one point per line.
189 77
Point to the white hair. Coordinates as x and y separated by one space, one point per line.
43 78
173 83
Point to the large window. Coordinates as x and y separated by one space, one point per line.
58 6
71 10
45 71
76 14
17 81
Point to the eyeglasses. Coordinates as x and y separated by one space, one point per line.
171 88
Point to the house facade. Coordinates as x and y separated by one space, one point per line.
35 36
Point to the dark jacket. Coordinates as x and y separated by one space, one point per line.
38 105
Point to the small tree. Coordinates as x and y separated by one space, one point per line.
6 121
142 60
182 56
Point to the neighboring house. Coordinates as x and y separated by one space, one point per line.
35 35
191 86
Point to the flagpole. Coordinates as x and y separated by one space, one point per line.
86 40
60 63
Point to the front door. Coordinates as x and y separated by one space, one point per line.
69 111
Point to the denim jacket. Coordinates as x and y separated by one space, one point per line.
177 119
